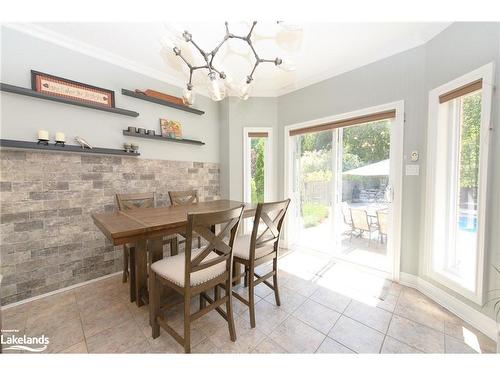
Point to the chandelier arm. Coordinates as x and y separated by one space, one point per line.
251 30
250 77
253 50
203 53
184 59
268 61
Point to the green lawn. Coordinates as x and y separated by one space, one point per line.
313 214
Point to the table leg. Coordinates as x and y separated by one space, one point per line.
131 256
141 272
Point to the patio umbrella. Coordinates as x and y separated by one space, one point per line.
380 168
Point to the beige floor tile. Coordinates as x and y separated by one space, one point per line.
421 311
268 346
393 346
119 339
465 333
246 338
105 317
317 316
331 346
356 336
53 315
297 337
205 347
305 285
80 348
331 299
62 334
15 317
456 346
290 300
371 316
416 335
267 316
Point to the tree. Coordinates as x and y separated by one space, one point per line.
257 169
469 141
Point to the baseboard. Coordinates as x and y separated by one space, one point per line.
58 291
473 317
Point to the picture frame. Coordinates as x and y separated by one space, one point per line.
51 85
170 129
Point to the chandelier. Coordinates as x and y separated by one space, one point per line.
217 78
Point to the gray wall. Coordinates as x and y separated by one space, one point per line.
400 77
236 115
22 116
409 76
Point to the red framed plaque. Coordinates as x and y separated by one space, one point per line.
64 88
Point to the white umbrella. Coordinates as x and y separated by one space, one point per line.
380 168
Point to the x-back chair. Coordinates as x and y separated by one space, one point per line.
196 271
258 248
181 198
130 202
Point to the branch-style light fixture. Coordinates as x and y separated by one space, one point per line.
216 77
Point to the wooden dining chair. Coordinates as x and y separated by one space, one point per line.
181 198
133 201
197 271
260 247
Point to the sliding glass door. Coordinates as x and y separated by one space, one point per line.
341 183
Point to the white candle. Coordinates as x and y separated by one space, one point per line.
43 135
60 137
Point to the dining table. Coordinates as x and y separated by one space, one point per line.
144 229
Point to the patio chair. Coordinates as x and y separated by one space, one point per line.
346 215
382 216
361 224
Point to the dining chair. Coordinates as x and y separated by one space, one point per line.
261 246
382 217
361 223
346 215
133 201
181 198
197 271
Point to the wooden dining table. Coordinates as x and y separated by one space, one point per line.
144 229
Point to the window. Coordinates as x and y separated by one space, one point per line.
458 134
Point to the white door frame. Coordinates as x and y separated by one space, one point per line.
396 167
268 163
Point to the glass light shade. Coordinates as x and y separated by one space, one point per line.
287 65
245 90
290 26
216 88
188 96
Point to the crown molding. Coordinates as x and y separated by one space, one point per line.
72 44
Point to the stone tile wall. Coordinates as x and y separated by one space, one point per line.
48 240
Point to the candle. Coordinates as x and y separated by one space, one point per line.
43 135
60 137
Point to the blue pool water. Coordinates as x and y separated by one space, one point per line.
467 224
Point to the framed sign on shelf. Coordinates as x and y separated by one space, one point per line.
61 87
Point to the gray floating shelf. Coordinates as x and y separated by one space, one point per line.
28 92
137 95
8 143
160 138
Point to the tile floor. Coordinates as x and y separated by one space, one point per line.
326 308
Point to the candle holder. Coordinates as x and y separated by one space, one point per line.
60 143
43 142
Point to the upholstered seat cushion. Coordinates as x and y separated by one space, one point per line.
173 268
241 248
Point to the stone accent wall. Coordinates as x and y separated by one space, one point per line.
48 240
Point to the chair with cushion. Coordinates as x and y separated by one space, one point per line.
181 198
361 223
133 201
382 216
196 271
258 248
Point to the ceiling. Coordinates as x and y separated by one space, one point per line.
320 50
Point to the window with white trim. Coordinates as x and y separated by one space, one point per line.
458 139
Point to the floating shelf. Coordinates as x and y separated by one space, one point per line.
136 95
8 143
28 92
160 138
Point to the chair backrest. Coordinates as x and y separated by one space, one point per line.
271 216
180 198
382 216
359 219
346 214
220 244
132 201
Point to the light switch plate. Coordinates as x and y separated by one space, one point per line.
412 169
